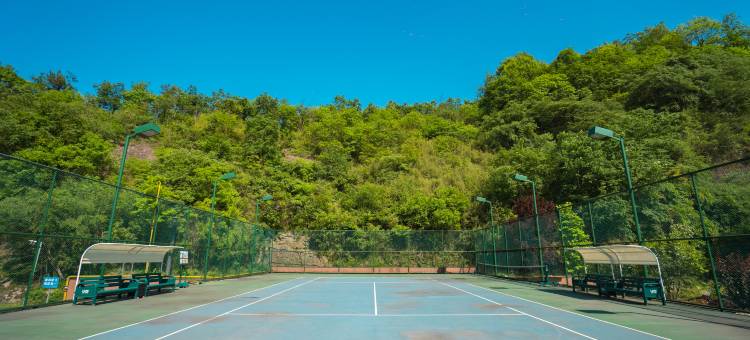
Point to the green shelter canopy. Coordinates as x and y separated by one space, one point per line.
618 254
124 253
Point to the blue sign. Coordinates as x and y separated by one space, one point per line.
50 282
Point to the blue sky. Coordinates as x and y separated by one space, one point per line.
309 52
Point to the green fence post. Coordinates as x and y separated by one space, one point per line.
708 243
157 214
481 250
270 255
507 254
476 253
591 222
538 232
40 236
520 242
593 229
562 240
494 249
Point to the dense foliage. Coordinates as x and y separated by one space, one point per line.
681 98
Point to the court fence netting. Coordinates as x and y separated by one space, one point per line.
697 223
48 217
374 251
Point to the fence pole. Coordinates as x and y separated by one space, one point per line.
708 243
494 249
562 240
507 254
40 237
270 255
591 222
538 233
210 230
481 248
520 242
476 252
593 230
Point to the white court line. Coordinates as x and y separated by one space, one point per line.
456 314
300 314
370 277
368 282
375 298
371 315
518 311
567 311
186 309
236 309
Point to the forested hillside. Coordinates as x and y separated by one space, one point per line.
680 96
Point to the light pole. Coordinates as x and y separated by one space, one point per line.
599 133
522 178
225 177
145 130
492 226
257 207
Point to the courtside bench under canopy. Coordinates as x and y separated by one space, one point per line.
618 255
101 253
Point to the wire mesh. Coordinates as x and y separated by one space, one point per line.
387 250
48 217
697 223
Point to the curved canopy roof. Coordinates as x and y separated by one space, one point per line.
124 253
618 254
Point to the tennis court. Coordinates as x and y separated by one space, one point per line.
373 307
368 306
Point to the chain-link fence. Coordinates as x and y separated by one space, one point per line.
407 251
48 217
697 223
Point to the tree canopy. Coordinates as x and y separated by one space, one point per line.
680 97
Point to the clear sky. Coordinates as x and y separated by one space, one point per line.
310 51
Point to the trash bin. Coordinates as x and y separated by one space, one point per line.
141 289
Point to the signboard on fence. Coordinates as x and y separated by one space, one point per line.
183 257
50 282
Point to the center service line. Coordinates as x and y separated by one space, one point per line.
375 298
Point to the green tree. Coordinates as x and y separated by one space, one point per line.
109 96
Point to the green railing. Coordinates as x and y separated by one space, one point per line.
48 217
698 224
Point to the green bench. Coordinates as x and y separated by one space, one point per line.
607 286
156 282
589 281
104 286
647 288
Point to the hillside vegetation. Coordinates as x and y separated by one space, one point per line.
681 98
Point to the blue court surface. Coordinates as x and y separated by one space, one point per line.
373 307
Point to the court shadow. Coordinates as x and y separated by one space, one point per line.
672 310
595 311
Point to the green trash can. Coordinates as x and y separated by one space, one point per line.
141 289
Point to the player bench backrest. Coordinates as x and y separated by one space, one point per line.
148 277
